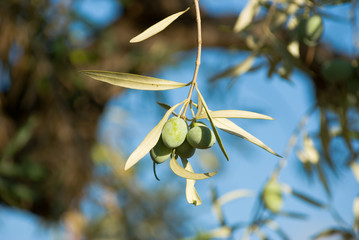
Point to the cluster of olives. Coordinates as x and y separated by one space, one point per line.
272 196
177 135
310 29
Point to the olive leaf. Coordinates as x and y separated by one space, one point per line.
191 192
330 232
235 114
234 195
150 140
307 199
218 138
21 138
133 81
230 127
355 169
246 16
221 232
237 70
180 171
158 27
200 109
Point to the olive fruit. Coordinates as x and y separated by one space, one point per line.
174 132
310 29
337 70
160 153
200 136
272 196
185 150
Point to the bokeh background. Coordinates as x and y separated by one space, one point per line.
64 138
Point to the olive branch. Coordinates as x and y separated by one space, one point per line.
218 119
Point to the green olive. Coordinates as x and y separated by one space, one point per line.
310 30
160 153
200 136
337 70
174 132
272 196
185 150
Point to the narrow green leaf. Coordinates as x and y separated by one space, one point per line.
191 192
22 137
150 140
133 81
308 199
166 107
295 215
230 127
180 171
158 27
323 179
235 114
218 138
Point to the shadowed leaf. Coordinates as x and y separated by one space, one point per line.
308 199
218 138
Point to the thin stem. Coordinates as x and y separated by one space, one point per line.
199 52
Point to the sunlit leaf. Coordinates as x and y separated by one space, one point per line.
191 192
150 140
158 27
237 70
230 127
235 114
218 138
355 169
246 16
133 81
180 171
222 232
233 195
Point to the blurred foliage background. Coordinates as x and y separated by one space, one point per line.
49 155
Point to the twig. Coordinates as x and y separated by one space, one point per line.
199 52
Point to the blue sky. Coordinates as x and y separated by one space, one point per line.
250 166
